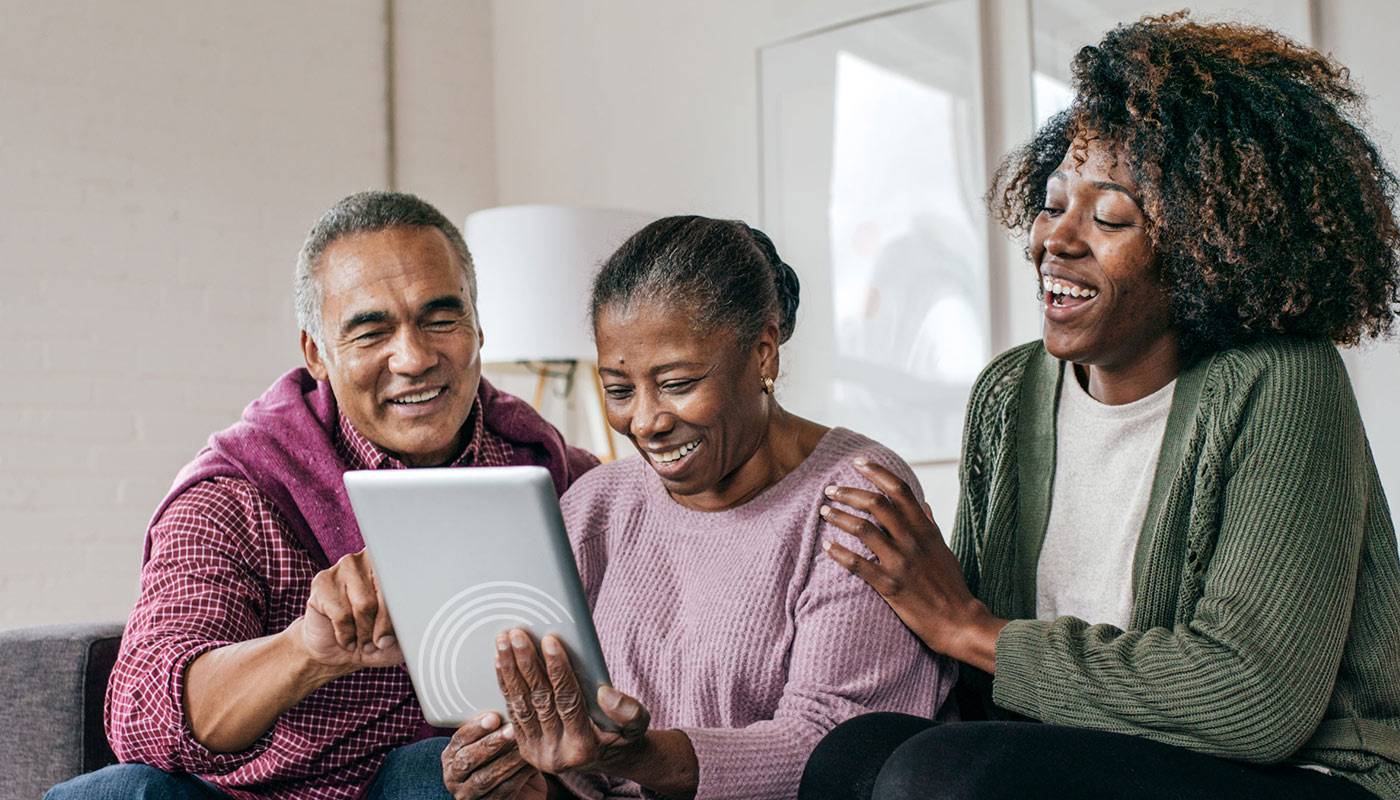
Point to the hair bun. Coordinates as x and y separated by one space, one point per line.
785 282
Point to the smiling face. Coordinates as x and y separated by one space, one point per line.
1105 305
402 347
692 403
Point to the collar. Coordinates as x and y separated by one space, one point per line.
360 453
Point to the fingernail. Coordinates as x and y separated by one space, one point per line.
385 642
826 544
862 462
508 732
829 491
609 697
551 645
501 643
518 639
367 647
824 510
489 720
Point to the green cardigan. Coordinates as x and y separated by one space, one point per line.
1266 614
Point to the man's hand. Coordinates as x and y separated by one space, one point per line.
483 762
346 626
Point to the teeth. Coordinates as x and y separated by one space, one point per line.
675 455
421 397
1052 286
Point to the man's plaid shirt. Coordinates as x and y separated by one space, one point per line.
226 568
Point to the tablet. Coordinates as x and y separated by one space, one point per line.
462 554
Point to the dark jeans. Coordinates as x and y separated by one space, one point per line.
899 757
412 772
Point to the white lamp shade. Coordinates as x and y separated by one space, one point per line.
534 273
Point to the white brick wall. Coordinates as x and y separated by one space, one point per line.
160 162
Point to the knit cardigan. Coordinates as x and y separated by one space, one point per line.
1266 616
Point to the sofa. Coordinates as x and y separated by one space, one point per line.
52 682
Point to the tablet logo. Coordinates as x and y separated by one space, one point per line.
494 605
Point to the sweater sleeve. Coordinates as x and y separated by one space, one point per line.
850 655
1250 675
197 594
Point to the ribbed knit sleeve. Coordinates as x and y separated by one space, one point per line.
850 655
1250 674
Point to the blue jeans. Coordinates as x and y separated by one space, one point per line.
133 782
411 772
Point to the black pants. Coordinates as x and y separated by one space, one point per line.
899 757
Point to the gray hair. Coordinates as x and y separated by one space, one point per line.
366 212
722 271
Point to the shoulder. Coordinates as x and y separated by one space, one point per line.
1281 389
836 455
227 515
1280 359
998 382
1297 375
604 486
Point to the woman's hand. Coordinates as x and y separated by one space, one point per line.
915 571
482 761
552 728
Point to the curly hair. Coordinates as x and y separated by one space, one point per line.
1270 210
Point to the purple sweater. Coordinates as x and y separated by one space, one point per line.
734 625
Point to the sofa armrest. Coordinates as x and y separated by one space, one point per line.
54 679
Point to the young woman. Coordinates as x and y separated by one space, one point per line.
1173 566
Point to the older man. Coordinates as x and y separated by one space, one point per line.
258 662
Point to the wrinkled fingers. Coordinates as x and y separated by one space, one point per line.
568 695
516 691
532 669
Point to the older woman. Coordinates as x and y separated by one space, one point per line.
733 642
1172 548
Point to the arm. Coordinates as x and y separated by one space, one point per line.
850 655
234 694
913 569
202 602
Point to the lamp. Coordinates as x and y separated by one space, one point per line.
534 272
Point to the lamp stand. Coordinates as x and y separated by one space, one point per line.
545 371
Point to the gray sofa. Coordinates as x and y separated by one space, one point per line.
52 680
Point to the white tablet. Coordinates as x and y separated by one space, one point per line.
462 554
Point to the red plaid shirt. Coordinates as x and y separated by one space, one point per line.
225 568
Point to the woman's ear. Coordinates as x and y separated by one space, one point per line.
766 349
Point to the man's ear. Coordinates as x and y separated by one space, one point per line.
314 364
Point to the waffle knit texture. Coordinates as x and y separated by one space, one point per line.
1266 618
735 627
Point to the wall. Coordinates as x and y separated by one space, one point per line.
647 105
161 163
654 106
1359 35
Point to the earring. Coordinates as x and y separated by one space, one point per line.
767 385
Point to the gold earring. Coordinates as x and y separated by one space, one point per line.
767 385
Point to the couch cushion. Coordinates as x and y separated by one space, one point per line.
55 677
